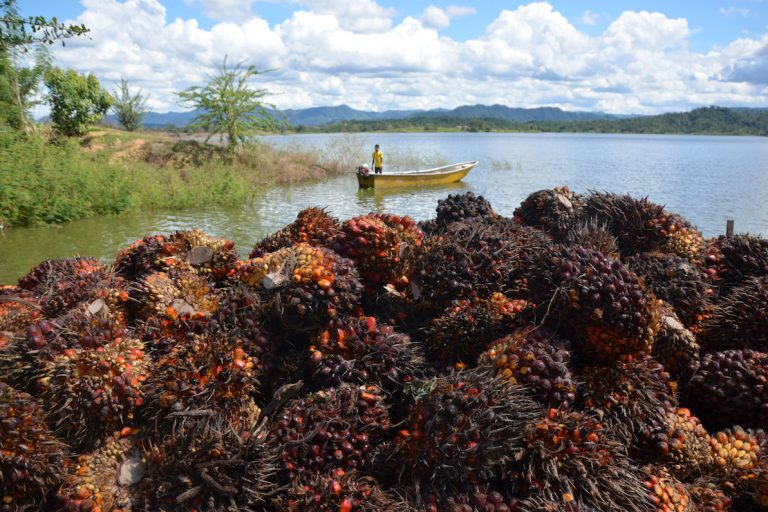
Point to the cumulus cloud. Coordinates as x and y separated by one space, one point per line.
330 52
224 9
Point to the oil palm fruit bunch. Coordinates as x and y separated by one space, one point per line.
472 259
739 456
469 419
575 455
642 226
741 319
336 428
210 372
679 443
467 326
382 246
363 351
303 286
141 257
91 391
595 300
708 497
171 298
199 252
634 396
728 388
537 359
208 464
461 207
564 503
485 497
675 346
666 493
676 281
313 226
18 309
731 259
31 458
64 283
555 211
594 235
340 492
101 479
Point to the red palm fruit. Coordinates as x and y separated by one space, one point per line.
337 428
596 301
462 207
666 493
101 479
468 419
196 251
555 211
382 247
493 497
633 396
141 257
537 359
707 497
739 456
31 458
575 455
18 309
468 326
731 259
313 226
675 346
680 443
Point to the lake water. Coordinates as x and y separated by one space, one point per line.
706 179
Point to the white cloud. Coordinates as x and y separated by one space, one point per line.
728 11
456 11
225 9
589 18
434 17
345 51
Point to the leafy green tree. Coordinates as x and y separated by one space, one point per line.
20 85
128 108
19 31
76 100
229 106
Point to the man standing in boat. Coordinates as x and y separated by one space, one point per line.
378 160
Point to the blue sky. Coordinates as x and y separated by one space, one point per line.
616 56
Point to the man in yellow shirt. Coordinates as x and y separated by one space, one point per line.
378 160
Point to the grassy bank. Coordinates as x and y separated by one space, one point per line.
110 171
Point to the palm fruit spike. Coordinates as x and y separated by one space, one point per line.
205 373
208 464
739 456
337 428
141 257
176 296
18 309
468 419
304 286
682 238
101 479
91 391
729 260
707 497
741 319
461 207
675 346
594 235
199 252
380 246
680 443
467 327
486 497
573 454
633 396
536 359
62 284
728 388
362 351
676 281
473 259
341 492
596 301
31 459
555 211
313 226
666 493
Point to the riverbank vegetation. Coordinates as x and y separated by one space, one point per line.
701 121
108 171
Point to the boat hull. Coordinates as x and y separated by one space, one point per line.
440 176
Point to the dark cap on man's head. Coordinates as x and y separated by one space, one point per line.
376 146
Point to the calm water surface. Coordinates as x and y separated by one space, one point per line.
706 179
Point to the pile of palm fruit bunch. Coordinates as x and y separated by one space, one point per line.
592 352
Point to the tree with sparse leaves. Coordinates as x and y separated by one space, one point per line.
129 108
76 100
18 31
229 106
19 86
